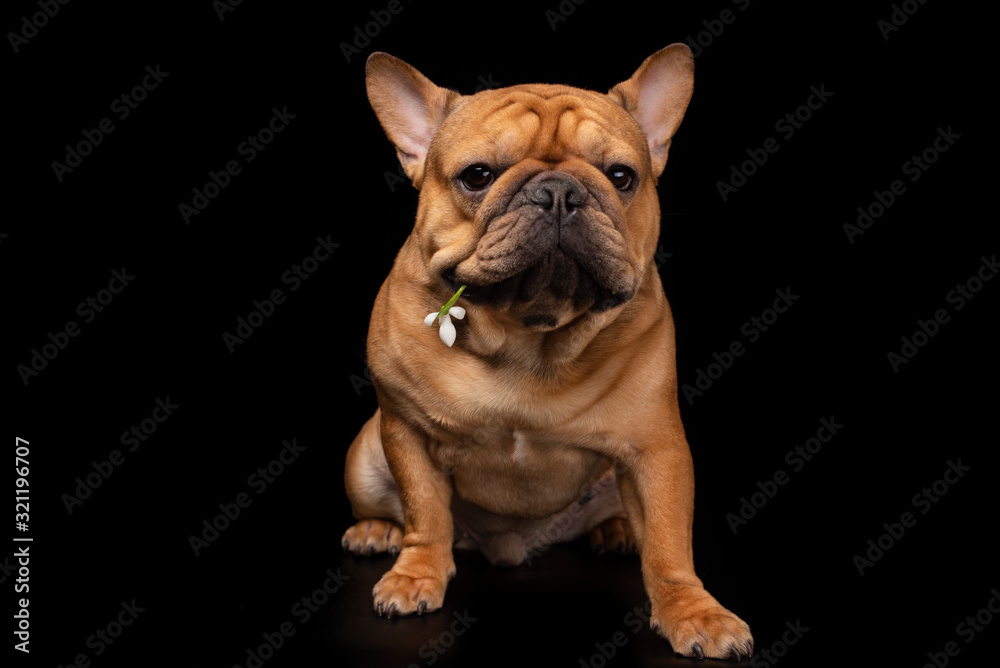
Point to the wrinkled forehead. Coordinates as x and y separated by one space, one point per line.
545 122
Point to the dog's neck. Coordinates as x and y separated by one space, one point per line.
556 354
569 348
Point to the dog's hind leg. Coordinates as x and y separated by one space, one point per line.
373 495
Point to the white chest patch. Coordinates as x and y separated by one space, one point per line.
520 449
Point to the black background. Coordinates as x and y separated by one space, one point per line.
301 375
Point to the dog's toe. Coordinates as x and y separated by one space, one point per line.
396 594
698 627
369 537
613 535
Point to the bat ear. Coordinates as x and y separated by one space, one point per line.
657 96
409 106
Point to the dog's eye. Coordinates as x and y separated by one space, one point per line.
476 177
621 177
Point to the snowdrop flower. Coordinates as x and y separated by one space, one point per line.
447 330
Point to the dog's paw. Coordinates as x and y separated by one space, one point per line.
697 626
398 594
370 537
613 535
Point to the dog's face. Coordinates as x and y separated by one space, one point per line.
541 180
540 198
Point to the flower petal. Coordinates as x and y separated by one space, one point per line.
447 330
429 320
457 311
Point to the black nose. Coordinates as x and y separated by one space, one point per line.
560 196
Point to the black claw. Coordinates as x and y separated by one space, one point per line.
370 551
698 652
421 608
378 608
392 611
620 548
394 551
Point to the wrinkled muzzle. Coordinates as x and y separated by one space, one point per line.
555 240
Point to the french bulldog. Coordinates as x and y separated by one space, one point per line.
550 411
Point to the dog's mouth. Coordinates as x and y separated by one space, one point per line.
555 275
555 246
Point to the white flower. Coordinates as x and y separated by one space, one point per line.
443 316
447 330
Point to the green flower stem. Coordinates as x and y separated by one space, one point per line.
451 302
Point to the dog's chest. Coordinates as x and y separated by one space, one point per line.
497 449
512 472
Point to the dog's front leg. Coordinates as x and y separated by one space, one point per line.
417 581
657 486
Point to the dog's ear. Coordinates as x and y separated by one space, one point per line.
409 106
657 96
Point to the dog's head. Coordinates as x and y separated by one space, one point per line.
540 198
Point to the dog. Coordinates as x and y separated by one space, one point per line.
550 408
